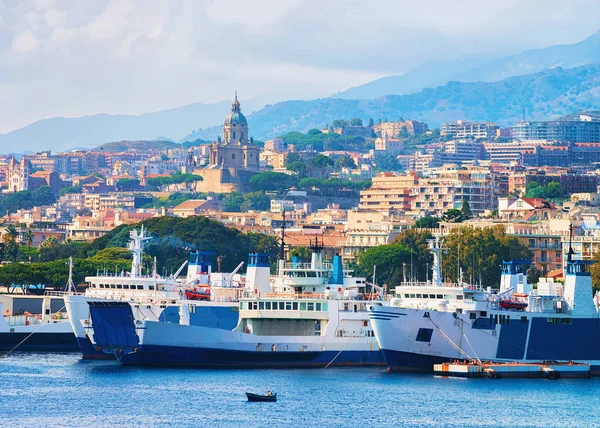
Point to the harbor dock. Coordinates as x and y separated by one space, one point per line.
550 370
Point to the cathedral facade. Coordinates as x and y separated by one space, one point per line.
234 159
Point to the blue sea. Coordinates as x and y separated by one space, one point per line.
63 390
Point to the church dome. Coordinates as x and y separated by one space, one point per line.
236 117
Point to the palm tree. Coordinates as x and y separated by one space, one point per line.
29 241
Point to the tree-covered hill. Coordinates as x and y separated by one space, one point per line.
174 238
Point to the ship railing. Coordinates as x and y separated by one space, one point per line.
62 293
308 266
431 284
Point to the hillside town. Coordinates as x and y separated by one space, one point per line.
354 185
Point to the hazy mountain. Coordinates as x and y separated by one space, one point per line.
543 95
471 70
62 133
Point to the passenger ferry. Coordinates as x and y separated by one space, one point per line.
433 323
308 315
153 297
36 332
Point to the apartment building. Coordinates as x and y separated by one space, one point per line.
464 129
389 193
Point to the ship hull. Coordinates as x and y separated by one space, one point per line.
38 342
220 316
152 355
416 339
168 344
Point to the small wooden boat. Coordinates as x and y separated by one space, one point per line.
260 397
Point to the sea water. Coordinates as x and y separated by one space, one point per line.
63 390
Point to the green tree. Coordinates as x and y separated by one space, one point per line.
387 163
466 210
125 184
298 167
416 241
479 254
303 253
43 195
70 190
389 260
291 157
553 190
356 122
270 180
453 216
321 162
345 162
233 202
427 222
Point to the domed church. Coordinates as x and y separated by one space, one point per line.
233 160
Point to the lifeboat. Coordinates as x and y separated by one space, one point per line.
513 304
198 293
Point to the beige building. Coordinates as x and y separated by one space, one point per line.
389 193
396 129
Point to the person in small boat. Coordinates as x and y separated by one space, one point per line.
269 393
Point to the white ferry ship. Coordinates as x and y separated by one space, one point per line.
153 297
36 332
432 323
308 315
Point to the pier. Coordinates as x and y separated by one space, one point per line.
549 370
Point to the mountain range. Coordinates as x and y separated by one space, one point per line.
539 96
61 133
540 83
434 74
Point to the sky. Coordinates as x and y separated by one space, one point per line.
72 58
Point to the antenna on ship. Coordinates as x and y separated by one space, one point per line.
70 287
282 251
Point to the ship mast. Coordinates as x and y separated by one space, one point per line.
70 287
282 250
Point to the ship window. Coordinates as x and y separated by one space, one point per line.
324 306
412 296
419 296
311 274
473 315
119 286
310 306
151 287
448 296
140 287
288 306
295 306
318 307
302 306
126 286
261 305
281 306
483 313
567 321
268 306
459 297
424 335
524 319
439 296
112 285
101 285
242 305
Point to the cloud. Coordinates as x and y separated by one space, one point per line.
24 42
132 56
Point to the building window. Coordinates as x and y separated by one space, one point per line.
233 156
233 134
